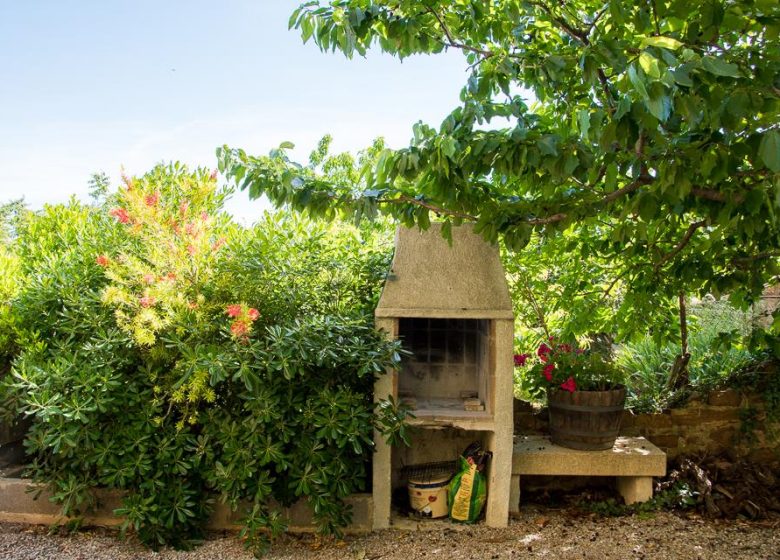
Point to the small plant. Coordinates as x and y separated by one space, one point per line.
678 496
562 367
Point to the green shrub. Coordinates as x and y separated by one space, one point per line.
167 352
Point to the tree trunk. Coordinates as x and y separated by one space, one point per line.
678 377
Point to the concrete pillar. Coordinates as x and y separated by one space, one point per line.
635 489
384 386
500 441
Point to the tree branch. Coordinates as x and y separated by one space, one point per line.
438 210
717 196
680 244
451 40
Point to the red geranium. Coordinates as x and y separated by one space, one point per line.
569 385
521 359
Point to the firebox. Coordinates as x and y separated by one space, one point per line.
449 305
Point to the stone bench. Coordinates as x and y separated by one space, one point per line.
633 461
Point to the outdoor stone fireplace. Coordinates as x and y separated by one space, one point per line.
450 306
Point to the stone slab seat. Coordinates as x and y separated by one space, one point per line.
633 461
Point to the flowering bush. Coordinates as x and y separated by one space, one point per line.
562 367
174 355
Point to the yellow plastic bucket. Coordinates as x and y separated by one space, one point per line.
428 497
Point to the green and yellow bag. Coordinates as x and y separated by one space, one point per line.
468 488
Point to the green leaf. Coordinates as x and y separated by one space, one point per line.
659 106
720 67
583 118
623 107
286 145
769 150
547 145
681 76
637 82
664 42
649 64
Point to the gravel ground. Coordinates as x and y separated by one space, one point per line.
535 534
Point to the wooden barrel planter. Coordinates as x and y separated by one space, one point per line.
586 420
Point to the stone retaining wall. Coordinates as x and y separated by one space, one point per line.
704 426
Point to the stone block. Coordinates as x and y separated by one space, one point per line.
726 397
666 442
19 505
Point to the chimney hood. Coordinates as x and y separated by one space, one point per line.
431 278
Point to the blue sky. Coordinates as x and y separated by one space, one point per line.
96 85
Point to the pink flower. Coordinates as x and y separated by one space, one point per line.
239 329
152 199
520 359
218 243
547 371
147 301
204 217
543 351
213 175
148 278
170 277
192 305
233 310
120 214
183 207
253 314
103 260
191 250
569 385
190 228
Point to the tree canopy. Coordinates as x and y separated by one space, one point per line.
652 145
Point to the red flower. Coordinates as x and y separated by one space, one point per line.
543 351
565 347
520 359
547 371
253 314
120 214
147 301
239 329
233 310
152 199
569 385
103 260
170 277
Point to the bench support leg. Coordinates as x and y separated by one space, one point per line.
635 488
514 495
